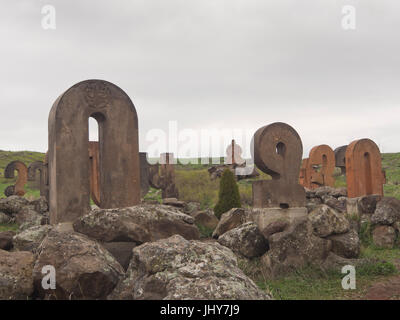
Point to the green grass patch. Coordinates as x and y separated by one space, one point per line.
8 227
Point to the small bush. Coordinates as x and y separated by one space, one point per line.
228 197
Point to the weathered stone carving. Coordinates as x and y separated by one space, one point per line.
167 176
277 150
149 174
364 173
303 178
19 187
33 168
321 164
340 158
69 149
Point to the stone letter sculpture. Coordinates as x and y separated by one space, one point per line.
69 149
18 188
277 150
167 176
340 159
364 173
323 157
149 174
303 173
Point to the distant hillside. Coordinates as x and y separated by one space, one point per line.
26 157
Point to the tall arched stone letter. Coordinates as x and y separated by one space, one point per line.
277 150
69 149
364 174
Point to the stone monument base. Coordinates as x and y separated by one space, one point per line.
269 220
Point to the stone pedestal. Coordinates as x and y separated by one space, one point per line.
272 220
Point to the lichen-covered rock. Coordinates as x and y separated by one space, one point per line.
139 224
13 204
346 245
4 218
275 227
40 205
326 221
334 203
31 238
387 211
384 236
6 240
245 240
313 203
206 218
294 248
16 282
174 202
177 269
84 269
367 204
122 251
27 218
191 207
229 220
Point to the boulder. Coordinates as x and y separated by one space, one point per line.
84 269
323 191
31 238
27 218
6 240
275 227
339 192
5 219
16 281
178 269
245 240
139 224
313 203
367 204
40 205
326 221
122 251
173 202
346 245
294 248
387 211
334 203
384 236
206 218
229 220
191 207
13 204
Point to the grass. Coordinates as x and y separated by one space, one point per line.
8 227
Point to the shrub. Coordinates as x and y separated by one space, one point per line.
228 197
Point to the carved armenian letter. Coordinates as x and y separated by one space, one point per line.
167 176
364 173
69 149
19 187
277 150
323 157
303 173
340 158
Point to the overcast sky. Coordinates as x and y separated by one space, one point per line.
233 64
